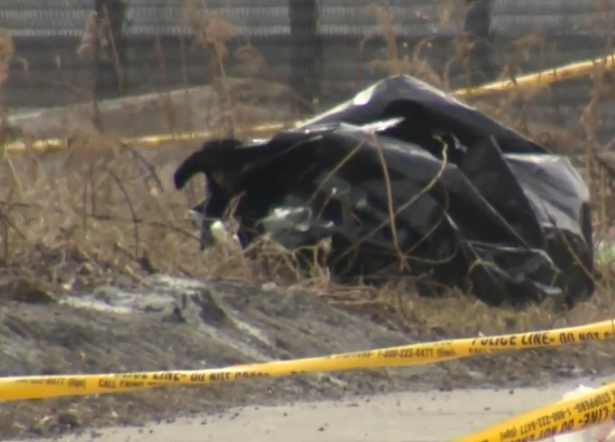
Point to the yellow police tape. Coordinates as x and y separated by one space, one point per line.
536 80
39 387
540 79
54 145
566 416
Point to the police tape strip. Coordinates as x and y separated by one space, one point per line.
539 79
55 145
566 416
40 387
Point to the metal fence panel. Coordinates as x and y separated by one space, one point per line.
324 49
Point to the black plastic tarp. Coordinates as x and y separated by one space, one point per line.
476 205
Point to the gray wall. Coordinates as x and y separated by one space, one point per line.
47 34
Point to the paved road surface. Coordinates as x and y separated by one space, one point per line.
405 417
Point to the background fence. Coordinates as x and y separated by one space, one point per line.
69 50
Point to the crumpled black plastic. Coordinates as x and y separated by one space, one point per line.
478 206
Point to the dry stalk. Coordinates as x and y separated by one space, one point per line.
7 54
403 261
402 207
214 34
133 213
393 64
114 52
186 83
165 97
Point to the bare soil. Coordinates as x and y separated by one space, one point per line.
182 323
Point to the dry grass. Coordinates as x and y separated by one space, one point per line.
106 213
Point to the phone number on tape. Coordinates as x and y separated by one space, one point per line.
584 414
419 353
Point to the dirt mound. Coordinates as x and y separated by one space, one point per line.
179 324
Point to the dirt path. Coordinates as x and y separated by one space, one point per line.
430 416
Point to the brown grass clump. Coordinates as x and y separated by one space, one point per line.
106 213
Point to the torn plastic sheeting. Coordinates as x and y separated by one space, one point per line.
497 214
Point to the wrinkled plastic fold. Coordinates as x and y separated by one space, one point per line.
476 205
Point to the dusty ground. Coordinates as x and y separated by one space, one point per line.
224 323
425 416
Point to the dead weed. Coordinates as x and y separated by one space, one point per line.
104 214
